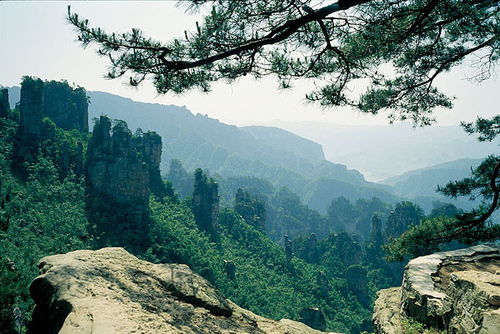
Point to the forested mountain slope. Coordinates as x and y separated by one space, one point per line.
421 184
383 151
285 140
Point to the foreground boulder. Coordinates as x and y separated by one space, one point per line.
456 291
111 291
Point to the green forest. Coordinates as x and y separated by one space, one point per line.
63 188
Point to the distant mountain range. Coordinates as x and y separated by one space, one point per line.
286 159
276 155
420 185
383 151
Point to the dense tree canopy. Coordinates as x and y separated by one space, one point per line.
396 49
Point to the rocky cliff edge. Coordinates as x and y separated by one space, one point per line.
455 292
111 291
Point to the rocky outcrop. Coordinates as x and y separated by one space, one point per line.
475 297
313 317
456 291
426 282
4 102
111 291
66 106
31 107
387 318
121 165
205 201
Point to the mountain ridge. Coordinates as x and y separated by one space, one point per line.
271 153
383 151
421 184
274 154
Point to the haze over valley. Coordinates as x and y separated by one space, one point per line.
264 167
287 159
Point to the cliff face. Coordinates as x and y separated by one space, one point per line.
4 102
121 165
31 107
455 291
205 201
111 291
67 107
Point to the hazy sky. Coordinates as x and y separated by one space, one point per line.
36 40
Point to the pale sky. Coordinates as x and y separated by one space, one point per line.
36 40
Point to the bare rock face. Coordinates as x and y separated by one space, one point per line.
457 291
387 317
476 299
121 165
111 291
424 291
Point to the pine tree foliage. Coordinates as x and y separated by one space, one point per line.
333 43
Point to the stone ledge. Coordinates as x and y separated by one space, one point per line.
421 297
456 291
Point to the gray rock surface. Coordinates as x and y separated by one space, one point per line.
111 291
423 298
455 291
475 297
120 164
387 317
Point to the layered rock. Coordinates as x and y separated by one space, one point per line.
387 317
111 291
476 299
457 291
121 165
